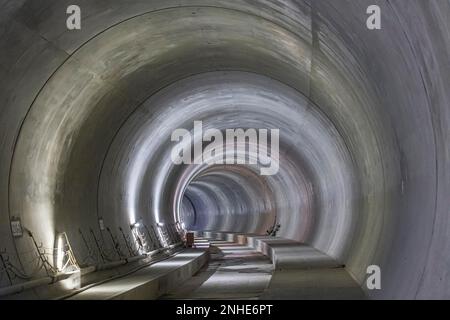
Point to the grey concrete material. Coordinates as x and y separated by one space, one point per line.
235 237
65 285
289 254
432 48
102 15
284 253
233 272
315 284
384 92
19 288
238 272
26 66
416 157
151 282
45 17
221 89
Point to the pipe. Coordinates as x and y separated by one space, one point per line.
18 288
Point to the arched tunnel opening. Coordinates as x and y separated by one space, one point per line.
342 169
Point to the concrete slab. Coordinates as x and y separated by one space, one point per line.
150 282
317 284
234 272
300 272
284 253
290 254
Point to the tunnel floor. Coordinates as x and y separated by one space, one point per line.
313 284
234 272
237 271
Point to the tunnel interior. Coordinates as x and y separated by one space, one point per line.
363 167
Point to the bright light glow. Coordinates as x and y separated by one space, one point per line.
173 263
60 253
183 226
73 282
162 237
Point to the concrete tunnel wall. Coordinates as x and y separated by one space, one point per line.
86 118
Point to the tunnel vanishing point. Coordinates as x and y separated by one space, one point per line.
89 195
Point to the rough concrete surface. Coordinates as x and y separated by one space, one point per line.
364 118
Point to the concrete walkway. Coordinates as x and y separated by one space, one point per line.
242 269
235 271
149 282
313 284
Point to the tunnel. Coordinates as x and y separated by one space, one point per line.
360 175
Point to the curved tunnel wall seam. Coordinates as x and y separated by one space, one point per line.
72 53
135 109
43 87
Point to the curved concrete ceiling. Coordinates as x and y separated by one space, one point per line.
87 117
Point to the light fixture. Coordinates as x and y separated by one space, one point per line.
64 260
101 224
60 252
139 237
137 225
